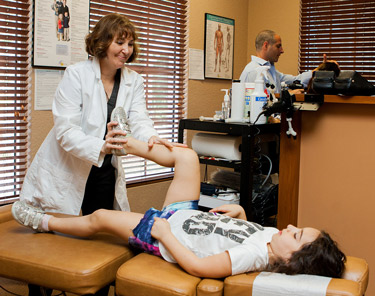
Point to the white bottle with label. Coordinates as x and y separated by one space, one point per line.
249 89
258 98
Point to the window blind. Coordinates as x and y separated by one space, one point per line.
342 29
15 39
162 30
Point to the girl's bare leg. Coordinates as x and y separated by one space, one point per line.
185 186
117 223
186 182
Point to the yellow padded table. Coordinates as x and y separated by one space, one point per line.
146 274
151 275
64 263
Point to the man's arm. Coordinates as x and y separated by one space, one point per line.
249 74
215 266
303 77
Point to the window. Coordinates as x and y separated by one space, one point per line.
162 30
162 26
342 29
15 39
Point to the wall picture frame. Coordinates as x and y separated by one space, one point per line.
60 28
218 47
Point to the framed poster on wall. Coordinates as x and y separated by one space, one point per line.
60 28
218 47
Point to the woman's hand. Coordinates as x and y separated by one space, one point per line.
231 210
296 91
160 228
157 140
111 141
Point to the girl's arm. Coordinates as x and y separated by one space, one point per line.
215 266
231 210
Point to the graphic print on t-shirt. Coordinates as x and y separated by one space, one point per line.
206 223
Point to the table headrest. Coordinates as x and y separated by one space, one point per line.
357 270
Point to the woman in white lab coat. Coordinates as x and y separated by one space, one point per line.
74 166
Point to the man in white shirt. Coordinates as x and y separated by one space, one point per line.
268 50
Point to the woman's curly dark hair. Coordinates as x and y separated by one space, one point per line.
321 257
108 28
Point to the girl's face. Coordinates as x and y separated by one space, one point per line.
119 51
291 239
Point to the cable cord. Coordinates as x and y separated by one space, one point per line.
257 149
259 115
269 171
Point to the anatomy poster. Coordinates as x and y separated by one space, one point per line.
219 42
60 28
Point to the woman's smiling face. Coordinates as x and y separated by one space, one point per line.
291 239
120 51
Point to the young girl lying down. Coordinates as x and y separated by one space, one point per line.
211 244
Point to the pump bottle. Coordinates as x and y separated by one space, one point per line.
225 106
258 98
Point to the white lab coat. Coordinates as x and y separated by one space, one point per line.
57 177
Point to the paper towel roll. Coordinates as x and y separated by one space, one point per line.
215 145
238 101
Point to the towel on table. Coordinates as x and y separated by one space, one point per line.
276 284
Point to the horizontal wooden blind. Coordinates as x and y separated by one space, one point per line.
342 29
162 29
15 39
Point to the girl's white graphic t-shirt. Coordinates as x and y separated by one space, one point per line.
206 234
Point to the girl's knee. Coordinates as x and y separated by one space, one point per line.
98 217
186 154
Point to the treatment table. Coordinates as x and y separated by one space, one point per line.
84 266
145 275
56 261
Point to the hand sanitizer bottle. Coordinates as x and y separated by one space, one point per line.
225 106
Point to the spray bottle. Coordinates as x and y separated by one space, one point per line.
225 106
258 98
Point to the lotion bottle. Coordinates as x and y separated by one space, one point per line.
258 98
